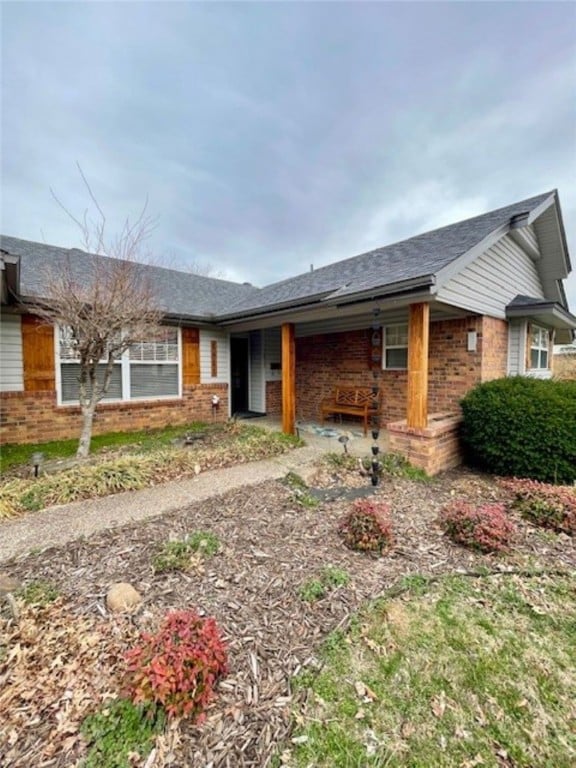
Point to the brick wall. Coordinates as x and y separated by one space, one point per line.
494 346
274 398
324 361
452 370
434 449
29 417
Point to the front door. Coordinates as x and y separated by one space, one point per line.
239 374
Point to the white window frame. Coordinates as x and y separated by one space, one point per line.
540 347
386 346
124 361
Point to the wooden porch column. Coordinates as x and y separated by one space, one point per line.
418 335
288 379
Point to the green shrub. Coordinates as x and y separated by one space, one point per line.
550 506
118 732
522 427
178 667
367 526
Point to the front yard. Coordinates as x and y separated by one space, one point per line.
430 655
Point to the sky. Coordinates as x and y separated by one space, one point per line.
268 137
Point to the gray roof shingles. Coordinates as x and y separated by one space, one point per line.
193 296
178 293
419 256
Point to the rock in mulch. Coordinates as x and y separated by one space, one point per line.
122 596
8 584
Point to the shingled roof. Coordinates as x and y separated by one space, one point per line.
407 264
419 257
178 293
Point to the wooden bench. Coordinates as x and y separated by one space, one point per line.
352 401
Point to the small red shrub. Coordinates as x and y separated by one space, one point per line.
367 526
484 528
179 666
551 506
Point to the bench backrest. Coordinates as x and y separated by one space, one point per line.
355 396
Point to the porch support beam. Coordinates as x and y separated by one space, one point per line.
288 379
418 338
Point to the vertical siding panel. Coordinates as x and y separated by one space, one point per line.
11 372
256 400
38 354
207 336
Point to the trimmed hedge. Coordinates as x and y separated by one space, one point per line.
522 427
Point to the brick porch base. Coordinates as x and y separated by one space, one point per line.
434 448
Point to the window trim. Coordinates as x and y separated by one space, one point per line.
124 361
385 347
539 348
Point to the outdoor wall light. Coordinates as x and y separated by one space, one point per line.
472 341
37 461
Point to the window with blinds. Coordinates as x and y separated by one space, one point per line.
148 370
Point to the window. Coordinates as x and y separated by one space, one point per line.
395 347
149 369
539 347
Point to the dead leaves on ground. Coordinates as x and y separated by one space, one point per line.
55 668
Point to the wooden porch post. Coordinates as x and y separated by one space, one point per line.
288 379
418 335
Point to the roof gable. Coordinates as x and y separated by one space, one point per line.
419 258
423 263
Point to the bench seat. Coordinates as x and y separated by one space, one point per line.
352 401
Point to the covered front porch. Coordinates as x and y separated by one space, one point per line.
435 358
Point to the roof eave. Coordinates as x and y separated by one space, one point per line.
550 313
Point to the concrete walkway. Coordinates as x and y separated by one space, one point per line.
59 525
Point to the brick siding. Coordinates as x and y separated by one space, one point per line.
30 417
434 449
274 398
328 360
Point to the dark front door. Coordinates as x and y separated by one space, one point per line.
239 374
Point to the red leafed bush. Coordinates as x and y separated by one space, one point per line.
551 506
179 666
485 528
367 526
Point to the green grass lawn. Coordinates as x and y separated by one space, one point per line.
463 672
12 455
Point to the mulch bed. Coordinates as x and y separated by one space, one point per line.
271 545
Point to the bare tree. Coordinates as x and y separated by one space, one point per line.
103 302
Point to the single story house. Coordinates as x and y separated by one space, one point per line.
423 320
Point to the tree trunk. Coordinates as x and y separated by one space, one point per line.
86 434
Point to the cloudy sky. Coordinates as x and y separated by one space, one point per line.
271 136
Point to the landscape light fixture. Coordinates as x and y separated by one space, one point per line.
37 461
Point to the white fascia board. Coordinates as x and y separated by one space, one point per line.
539 210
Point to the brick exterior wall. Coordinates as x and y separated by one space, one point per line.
494 348
274 398
324 361
30 417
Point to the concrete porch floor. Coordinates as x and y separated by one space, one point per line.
325 438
